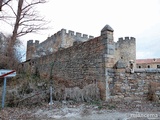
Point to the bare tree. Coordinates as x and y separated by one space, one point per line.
3 2
26 20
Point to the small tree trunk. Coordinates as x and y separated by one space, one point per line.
12 41
16 26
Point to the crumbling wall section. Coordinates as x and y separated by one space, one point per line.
126 85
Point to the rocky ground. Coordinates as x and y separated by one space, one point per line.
96 110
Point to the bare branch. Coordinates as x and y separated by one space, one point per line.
32 20
31 29
2 3
26 20
12 10
34 3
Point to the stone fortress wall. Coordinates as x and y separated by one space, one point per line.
61 39
97 62
143 84
124 49
79 65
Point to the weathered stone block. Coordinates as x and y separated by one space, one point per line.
102 88
120 64
118 71
121 96
156 77
99 60
151 70
131 78
108 56
110 70
109 65
139 70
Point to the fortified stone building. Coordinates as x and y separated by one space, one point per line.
87 68
59 40
122 51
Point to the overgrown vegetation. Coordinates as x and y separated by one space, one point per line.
154 91
23 18
24 90
9 62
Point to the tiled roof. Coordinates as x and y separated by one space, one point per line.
151 61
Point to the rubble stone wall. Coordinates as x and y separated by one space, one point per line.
126 85
79 65
93 63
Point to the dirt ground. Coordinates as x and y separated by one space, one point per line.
130 110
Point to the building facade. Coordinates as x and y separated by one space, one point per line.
148 63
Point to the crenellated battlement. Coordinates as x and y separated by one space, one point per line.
31 43
126 40
62 33
63 38
75 34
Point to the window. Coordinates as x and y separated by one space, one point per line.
139 66
148 66
158 66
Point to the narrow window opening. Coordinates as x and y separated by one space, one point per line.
158 66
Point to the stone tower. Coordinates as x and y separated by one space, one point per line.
125 50
108 41
107 36
31 48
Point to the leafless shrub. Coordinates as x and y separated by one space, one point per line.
152 89
7 61
88 93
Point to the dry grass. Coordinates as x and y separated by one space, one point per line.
152 89
87 93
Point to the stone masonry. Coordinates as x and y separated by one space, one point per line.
124 85
82 64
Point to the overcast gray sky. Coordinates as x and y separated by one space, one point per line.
133 18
